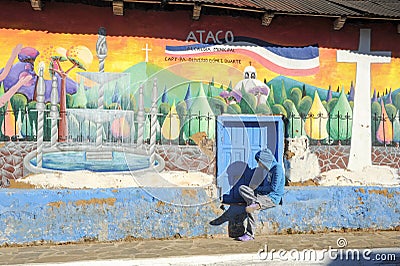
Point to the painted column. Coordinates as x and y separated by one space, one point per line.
361 142
140 119
54 115
40 108
101 50
153 123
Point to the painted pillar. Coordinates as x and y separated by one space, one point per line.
101 50
40 108
361 142
153 123
140 119
54 115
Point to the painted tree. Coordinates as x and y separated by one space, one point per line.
170 129
209 90
80 57
376 112
181 109
120 128
163 109
26 128
234 109
263 108
259 91
389 97
385 128
396 129
18 101
79 98
351 92
9 127
278 109
305 105
391 111
396 101
199 113
295 126
341 119
248 103
329 94
128 102
374 97
116 97
316 120
271 97
164 96
217 104
295 96
283 93
188 97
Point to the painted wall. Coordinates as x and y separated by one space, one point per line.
285 68
27 216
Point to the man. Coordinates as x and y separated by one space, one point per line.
266 195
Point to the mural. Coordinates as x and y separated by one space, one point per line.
323 93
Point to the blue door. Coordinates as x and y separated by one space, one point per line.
239 138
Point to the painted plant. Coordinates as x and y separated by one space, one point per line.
341 119
316 120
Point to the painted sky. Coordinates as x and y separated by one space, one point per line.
124 52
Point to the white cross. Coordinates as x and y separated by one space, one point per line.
361 143
147 52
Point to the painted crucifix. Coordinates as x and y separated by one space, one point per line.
147 49
361 142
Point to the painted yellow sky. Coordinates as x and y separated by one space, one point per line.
124 52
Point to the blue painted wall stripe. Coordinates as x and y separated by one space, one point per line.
111 214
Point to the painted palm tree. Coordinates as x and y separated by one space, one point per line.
80 57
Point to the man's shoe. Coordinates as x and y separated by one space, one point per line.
245 238
253 207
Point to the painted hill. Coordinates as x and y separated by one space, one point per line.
290 83
145 73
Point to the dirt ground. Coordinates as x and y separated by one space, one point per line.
20 185
308 182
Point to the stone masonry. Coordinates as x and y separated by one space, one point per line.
191 158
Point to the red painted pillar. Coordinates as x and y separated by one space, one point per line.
63 127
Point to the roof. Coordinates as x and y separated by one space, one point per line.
355 8
339 9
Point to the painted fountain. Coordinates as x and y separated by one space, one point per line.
95 154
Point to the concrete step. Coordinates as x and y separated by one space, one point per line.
99 156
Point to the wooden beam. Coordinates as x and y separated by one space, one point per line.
267 18
196 12
118 7
37 5
339 23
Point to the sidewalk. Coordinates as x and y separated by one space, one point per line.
140 252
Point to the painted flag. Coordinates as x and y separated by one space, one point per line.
290 61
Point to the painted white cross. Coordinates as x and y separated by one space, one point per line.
147 49
361 142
